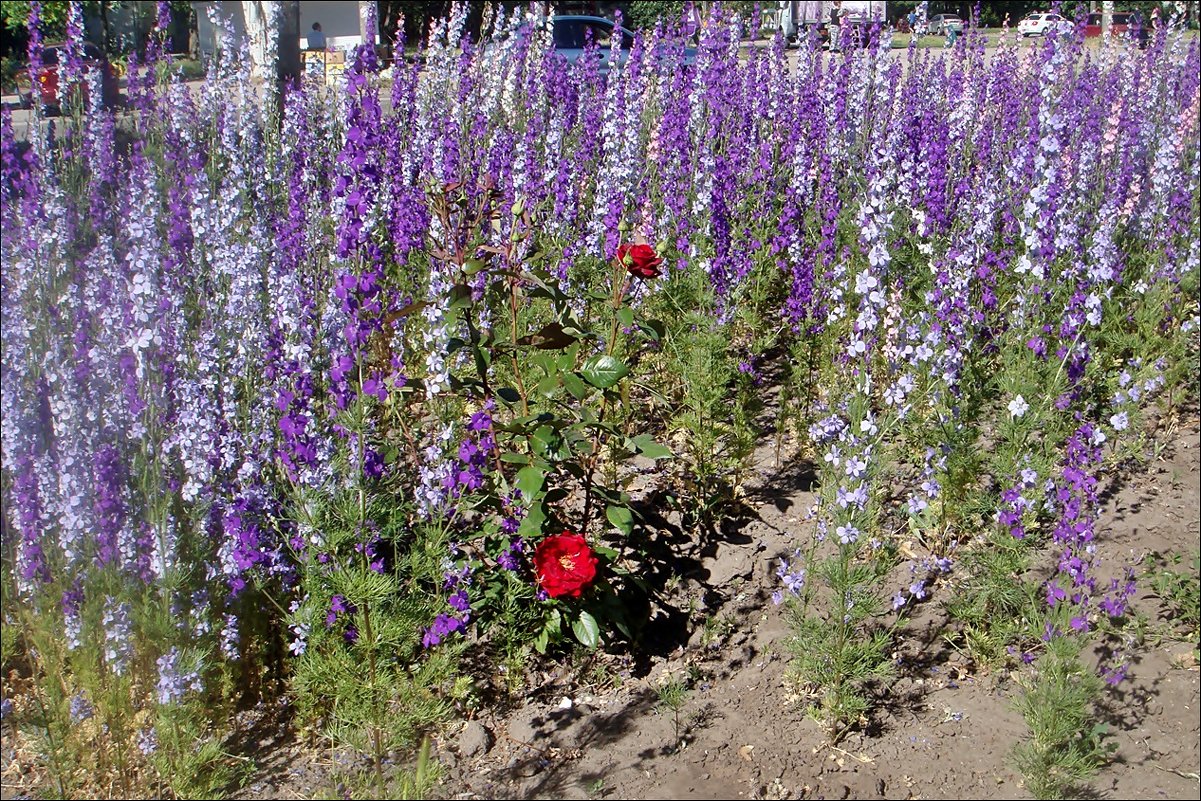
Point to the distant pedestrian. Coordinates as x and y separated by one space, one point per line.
316 38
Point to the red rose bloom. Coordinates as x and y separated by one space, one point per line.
564 565
640 260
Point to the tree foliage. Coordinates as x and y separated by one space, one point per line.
54 15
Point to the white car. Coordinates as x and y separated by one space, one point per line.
943 24
1041 24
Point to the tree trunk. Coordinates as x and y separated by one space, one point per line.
108 34
289 43
368 22
273 31
257 14
1107 18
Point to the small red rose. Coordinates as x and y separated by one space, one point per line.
640 260
564 565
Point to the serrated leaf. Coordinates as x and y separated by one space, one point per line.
543 439
646 445
603 372
575 385
621 518
586 630
551 336
654 330
460 295
529 481
625 316
605 551
531 524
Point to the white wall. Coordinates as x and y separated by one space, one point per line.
339 22
206 33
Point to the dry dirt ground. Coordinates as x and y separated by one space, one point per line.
945 727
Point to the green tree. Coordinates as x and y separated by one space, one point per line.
15 15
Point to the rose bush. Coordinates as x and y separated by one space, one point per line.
564 564
640 260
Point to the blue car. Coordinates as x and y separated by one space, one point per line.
572 33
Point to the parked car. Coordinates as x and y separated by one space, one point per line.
1120 24
1040 24
571 34
943 24
50 93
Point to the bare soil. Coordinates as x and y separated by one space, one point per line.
945 728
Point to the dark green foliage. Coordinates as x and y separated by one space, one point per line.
1067 746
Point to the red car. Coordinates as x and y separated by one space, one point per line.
48 83
1121 24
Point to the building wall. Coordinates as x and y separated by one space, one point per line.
339 22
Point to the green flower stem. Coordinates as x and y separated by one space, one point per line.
620 284
525 408
376 744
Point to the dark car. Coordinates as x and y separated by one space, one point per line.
51 94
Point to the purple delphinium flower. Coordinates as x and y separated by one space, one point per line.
510 558
172 682
792 576
118 635
444 625
81 709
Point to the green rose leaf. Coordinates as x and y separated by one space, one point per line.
646 445
575 385
603 372
531 524
529 481
551 336
587 631
621 518
609 553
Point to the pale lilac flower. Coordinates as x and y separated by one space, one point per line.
81 708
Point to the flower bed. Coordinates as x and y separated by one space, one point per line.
323 399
